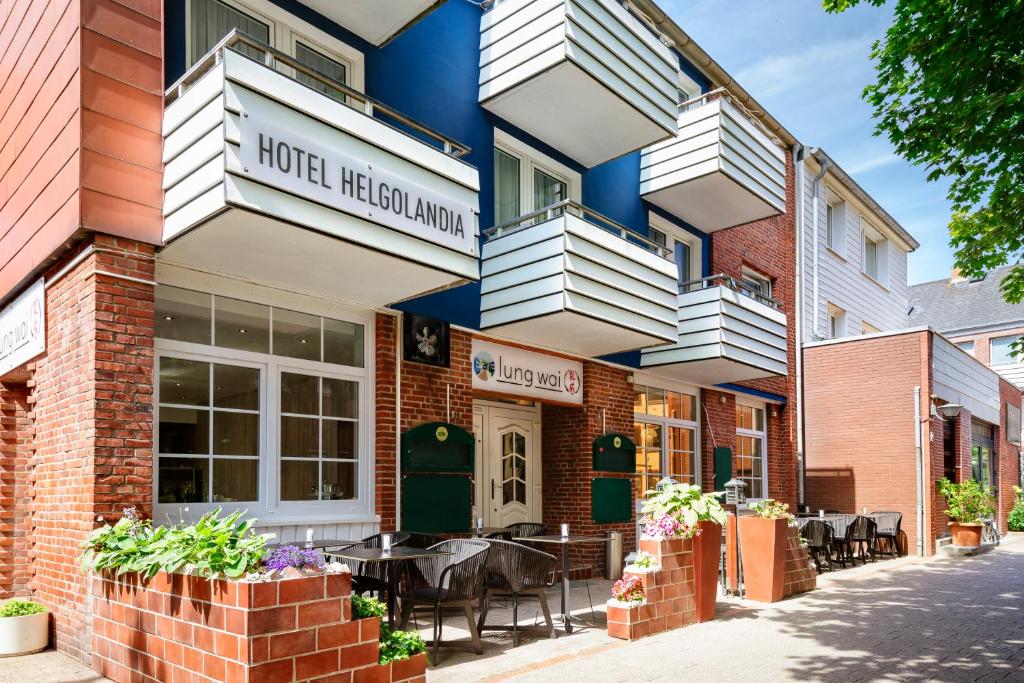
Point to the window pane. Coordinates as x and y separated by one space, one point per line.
185 431
212 20
241 325
547 189
323 65
183 480
1000 349
183 315
743 418
299 438
296 335
655 401
185 382
236 433
300 394
300 480
639 398
235 387
340 440
343 343
341 398
339 481
506 187
683 262
680 406
235 480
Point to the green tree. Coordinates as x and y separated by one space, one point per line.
949 95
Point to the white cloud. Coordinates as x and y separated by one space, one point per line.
807 73
871 163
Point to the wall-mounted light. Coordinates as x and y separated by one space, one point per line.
949 411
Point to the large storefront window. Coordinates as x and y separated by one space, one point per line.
665 431
749 458
257 405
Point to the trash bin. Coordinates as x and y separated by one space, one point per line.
614 569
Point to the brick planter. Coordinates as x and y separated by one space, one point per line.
670 593
801 575
181 628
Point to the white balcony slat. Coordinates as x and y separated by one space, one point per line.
204 149
642 288
531 289
519 49
209 86
529 309
521 257
202 207
528 273
614 19
611 314
626 302
207 175
202 122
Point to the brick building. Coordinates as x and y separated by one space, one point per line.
225 222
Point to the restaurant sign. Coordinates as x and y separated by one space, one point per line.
323 171
517 372
23 328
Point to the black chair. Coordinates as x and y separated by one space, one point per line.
860 535
371 577
419 539
514 571
447 581
888 530
521 529
819 536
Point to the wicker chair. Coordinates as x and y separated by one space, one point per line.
418 539
447 581
819 536
371 577
526 529
861 536
888 530
514 571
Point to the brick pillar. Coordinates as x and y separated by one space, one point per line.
717 429
566 457
384 401
93 419
15 489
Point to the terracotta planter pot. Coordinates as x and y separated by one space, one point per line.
707 547
763 551
966 535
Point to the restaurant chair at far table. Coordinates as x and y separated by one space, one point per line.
516 571
454 580
418 539
819 536
888 530
861 535
371 577
520 529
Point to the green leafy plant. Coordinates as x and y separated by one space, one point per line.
643 560
685 502
769 508
20 608
367 607
398 645
210 548
1016 518
969 502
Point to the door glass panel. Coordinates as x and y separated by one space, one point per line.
506 187
332 69
184 431
513 468
235 387
299 394
212 20
184 382
547 189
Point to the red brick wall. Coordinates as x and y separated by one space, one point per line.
566 457
15 489
860 425
385 439
769 247
424 388
92 415
717 429
1008 475
982 341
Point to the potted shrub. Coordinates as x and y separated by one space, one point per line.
24 628
763 538
969 504
703 514
1016 518
628 591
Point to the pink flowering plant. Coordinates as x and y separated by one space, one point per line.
630 588
673 511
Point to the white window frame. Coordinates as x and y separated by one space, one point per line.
835 234
675 235
868 328
762 435
991 342
270 510
285 30
881 242
530 159
666 422
835 318
751 276
969 343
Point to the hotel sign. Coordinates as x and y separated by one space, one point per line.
23 328
517 372
324 172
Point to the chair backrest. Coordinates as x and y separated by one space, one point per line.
862 529
462 572
526 529
514 567
888 522
818 533
421 540
397 538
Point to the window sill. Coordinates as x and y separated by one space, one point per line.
267 518
841 257
876 281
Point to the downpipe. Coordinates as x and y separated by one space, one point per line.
919 466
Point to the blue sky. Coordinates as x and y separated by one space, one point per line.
808 69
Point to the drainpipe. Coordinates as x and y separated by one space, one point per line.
919 466
798 167
398 422
815 186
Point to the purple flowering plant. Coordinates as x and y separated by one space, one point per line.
294 556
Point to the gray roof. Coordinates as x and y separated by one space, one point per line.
953 306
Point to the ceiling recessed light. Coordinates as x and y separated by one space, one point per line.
303 341
242 330
177 384
168 317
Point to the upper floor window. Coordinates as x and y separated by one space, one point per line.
999 350
875 255
868 328
526 180
967 346
665 430
835 224
756 282
684 248
836 321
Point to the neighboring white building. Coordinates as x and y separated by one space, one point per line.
853 257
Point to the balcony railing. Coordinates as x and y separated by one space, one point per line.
279 61
732 283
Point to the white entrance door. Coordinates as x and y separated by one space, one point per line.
508 445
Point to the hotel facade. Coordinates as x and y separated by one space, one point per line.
381 265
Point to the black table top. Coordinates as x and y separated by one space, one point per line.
399 552
319 543
558 538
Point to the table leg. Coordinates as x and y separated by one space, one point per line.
392 573
566 605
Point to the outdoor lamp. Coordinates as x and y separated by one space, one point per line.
735 492
664 483
949 411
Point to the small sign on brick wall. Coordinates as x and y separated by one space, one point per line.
23 328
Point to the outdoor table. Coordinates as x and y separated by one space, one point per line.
565 542
320 544
488 530
397 554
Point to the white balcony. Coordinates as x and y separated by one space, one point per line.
725 334
720 170
584 76
568 279
376 21
309 185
